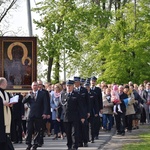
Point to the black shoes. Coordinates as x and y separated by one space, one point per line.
34 147
40 145
15 142
80 145
92 141
123 134
29 147
85 145
20 142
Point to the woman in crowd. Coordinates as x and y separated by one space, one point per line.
137 108
55 104
107 110
130 108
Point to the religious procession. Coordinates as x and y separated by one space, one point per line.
75 110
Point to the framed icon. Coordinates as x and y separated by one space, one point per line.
18 61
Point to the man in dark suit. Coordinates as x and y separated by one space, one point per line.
38 111
83 127
98 91
43 129
73 113
93 109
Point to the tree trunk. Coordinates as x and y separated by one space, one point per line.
56 72
50 63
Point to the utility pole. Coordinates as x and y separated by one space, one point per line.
135 14
64 58
29 18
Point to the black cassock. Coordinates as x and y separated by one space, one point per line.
2 127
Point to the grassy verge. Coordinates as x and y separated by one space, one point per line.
143 145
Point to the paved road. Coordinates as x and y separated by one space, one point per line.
60 144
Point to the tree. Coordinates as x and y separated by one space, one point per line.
109 39
7 5
59 26
125 48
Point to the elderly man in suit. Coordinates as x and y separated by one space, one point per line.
38 111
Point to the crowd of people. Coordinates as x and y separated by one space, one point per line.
76 110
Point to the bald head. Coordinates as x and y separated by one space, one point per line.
3 83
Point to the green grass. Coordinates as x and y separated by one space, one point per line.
143 145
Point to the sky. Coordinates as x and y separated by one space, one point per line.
18 19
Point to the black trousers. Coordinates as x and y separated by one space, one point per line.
97 124
83 130
24 126
42 130
72 133
128 121
7 145
17 131
120 122
34 126
92 126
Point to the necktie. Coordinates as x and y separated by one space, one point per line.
35 96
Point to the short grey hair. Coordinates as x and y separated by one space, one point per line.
2 79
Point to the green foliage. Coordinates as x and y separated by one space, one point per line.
112 45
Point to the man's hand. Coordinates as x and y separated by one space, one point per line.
6 103
96 115
48 116
82 120
44 116
88 115
58 119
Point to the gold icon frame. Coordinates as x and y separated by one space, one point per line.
28 47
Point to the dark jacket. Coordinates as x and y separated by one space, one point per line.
48 100
18 109
122 105
93 103
98 91
85 100
39 106
72 107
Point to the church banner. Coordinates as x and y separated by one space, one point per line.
18 61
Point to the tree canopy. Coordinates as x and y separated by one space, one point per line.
108 39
